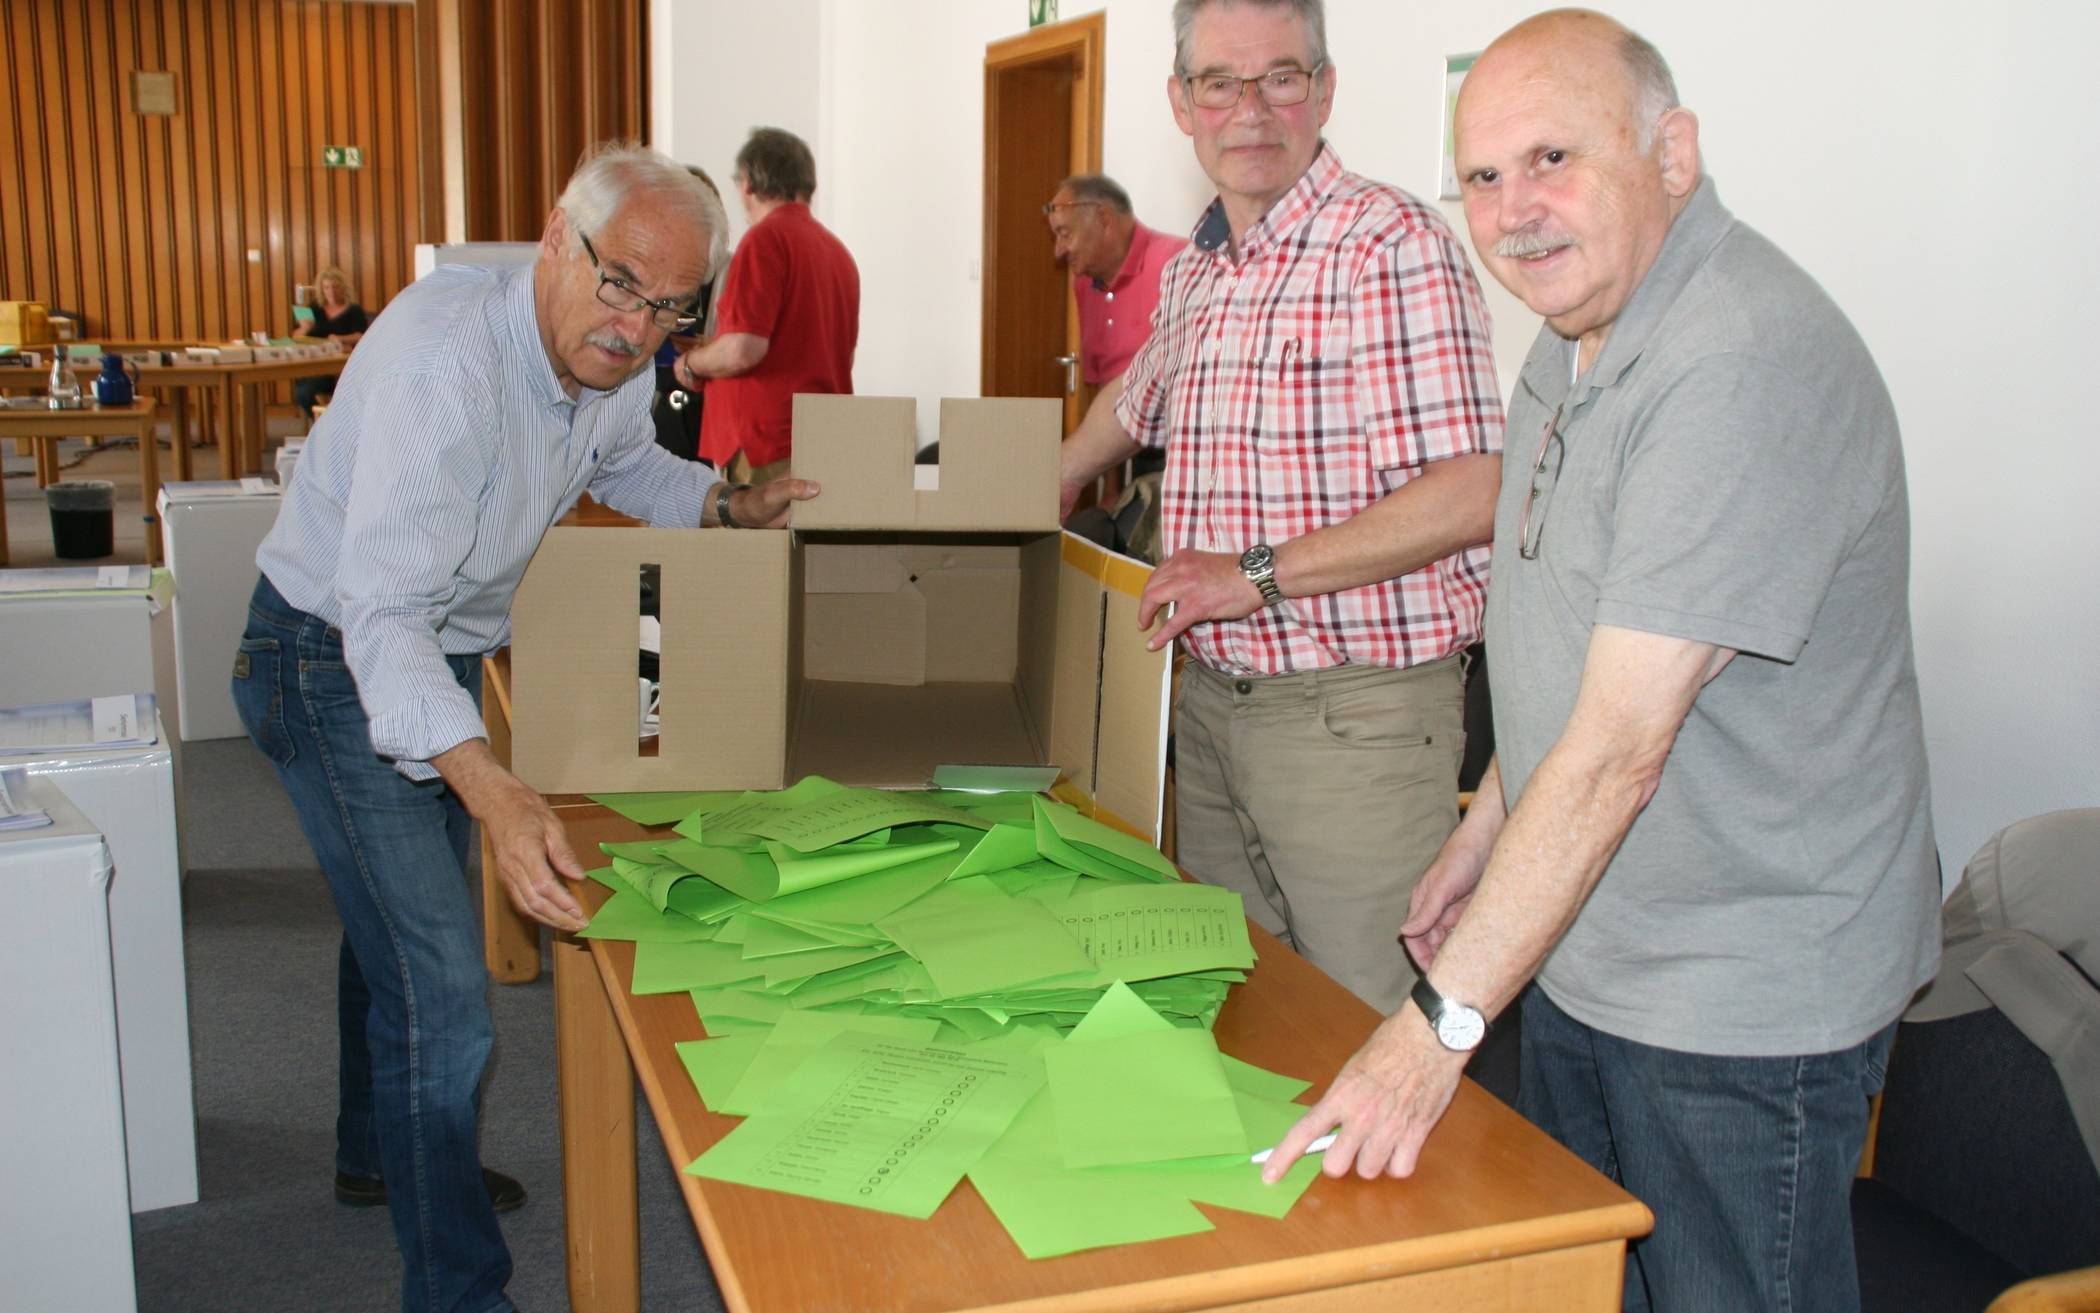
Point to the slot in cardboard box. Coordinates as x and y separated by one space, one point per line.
967 628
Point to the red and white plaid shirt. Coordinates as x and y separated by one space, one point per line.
1345 351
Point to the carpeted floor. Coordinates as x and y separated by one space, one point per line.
267 1234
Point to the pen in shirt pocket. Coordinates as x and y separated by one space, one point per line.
1290 350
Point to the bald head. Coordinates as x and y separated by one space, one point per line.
1573 158
1603 42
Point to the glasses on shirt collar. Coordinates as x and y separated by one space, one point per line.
671 316
1545 477
1279 87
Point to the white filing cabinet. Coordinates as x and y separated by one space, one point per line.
61 647
210 532
129 795
64 1209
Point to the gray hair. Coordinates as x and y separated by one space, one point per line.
1312 13
1654 90
611 171
1097 188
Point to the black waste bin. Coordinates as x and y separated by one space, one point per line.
83 523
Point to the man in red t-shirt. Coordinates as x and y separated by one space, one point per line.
788 319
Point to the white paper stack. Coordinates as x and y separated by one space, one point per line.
124 720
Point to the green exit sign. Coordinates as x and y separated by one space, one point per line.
342 157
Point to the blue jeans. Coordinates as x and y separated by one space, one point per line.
412 993
1747 1163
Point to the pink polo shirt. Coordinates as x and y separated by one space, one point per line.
1115 320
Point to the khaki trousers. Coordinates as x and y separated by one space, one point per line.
743 471
1322 797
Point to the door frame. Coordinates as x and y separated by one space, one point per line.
1080 43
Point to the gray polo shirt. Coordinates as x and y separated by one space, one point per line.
1732 475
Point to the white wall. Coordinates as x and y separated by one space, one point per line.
1891 149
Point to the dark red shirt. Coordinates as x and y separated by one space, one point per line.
794 284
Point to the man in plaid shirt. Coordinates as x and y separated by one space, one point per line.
1321 376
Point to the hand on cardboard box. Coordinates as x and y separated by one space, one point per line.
1199 586
528 842
766 505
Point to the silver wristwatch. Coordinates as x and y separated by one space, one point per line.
723 492
1258 563
1458 1027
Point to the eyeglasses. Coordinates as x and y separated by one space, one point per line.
1052 207
1280 87
671 316
1552 451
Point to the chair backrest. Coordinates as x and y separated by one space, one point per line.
1991 1117
1976 1129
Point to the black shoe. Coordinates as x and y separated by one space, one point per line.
505 1194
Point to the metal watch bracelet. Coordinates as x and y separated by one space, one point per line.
723 492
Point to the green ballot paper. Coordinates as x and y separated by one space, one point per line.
878 1123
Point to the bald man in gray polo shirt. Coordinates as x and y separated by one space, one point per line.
1706 833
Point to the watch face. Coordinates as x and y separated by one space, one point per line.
1460 1027
1257 558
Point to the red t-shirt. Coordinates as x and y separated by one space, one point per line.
1115 320
794 284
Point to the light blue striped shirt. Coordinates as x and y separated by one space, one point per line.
448 452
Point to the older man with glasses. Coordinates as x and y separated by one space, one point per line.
477 409
1706 832
1321 377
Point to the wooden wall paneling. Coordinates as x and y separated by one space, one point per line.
229 228
385 104
59 284
155 315
251 112
15 264
303 137
92 158
133 296
279 270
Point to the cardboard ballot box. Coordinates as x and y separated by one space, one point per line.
896 628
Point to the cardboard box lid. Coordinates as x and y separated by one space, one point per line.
997 471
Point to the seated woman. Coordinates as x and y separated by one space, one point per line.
336 317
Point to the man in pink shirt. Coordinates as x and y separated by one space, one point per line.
1115 263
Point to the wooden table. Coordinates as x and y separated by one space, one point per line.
1497 1218
45 427
240 428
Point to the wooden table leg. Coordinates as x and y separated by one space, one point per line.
46 461
257 431
597 1138
229 432
179 445
149 486
510 941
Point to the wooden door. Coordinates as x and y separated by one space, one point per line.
1042 123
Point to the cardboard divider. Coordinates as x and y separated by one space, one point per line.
998 463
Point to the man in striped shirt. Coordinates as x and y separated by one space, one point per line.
478 408
1321 376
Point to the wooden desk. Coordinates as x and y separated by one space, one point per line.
240 429
45 427
1498 1217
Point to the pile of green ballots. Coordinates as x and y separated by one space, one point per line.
903 989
